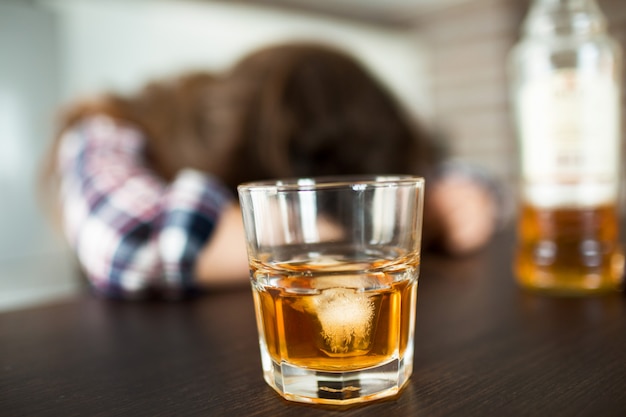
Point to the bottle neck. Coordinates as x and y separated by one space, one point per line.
564 18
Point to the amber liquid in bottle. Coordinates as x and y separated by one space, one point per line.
569 251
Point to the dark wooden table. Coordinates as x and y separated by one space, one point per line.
483 348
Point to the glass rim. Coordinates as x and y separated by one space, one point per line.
331 182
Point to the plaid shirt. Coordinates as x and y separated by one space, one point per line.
133 232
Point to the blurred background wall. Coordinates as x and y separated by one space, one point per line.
445 59
33 264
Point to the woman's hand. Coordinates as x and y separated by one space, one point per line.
466 212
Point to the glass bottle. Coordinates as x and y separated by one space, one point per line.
566 95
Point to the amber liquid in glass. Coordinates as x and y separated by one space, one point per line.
569 251
335 316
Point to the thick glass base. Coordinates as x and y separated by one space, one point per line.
337 388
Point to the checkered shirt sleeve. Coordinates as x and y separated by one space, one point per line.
133 233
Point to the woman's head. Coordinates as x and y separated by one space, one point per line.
283 111
310 110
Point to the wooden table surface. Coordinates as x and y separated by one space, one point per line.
483 348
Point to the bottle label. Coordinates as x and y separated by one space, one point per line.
570 139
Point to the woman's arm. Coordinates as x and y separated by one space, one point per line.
133 232
224 260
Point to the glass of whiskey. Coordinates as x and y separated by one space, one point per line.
334 265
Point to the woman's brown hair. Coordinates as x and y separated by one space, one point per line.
283 111
309 110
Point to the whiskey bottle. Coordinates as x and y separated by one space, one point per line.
566 96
